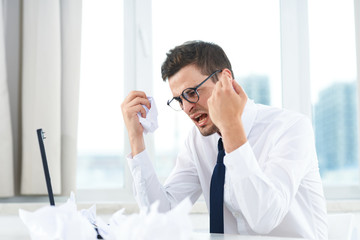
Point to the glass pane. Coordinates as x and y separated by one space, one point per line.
334 96
249 33
100 139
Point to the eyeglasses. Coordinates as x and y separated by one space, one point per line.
189 94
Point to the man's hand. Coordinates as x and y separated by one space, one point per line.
130 107
226 106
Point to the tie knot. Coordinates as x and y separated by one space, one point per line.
220 145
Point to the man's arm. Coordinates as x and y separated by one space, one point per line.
226 106
130 108
183 181
262 194
265 192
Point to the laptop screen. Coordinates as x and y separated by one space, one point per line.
41 138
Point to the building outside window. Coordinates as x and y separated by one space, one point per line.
334 90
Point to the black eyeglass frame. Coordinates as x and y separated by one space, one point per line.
179 100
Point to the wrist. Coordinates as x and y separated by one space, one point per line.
137 144
233 137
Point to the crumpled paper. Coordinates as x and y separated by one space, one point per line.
63 222
150 123
66 223
150 224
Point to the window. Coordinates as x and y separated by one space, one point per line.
249 33
101 133
334 95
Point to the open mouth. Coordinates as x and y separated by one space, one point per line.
200 119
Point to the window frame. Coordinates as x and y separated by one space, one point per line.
138 64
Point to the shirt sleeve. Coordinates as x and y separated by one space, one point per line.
183 181
263 191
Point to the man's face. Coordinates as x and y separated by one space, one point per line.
189 77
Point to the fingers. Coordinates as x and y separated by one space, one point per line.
226 78
227 87
139 101
215 91
238 89
137 97
141 109
224 84
133 110
133 104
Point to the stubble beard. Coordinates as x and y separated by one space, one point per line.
209 131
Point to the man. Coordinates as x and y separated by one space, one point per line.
270 182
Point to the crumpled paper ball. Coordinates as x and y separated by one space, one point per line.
149 123
66 223
63 222
149 224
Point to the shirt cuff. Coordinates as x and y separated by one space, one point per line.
140 166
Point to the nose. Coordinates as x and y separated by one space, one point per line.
188 106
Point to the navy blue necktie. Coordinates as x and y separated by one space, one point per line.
217 193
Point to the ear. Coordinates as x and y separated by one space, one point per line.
227 73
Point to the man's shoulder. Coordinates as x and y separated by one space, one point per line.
270 115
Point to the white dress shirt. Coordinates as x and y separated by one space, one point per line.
272 182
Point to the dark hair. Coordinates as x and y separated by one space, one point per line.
208 57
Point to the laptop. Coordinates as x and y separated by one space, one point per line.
41 137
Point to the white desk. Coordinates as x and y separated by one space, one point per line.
11 228
207 236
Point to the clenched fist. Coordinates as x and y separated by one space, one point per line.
226 106
130 107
